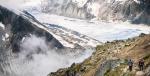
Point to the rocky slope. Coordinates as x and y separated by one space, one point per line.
70 38
19 25
16 28
110 59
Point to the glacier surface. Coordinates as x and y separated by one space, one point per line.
102 31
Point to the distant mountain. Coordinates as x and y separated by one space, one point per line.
136 11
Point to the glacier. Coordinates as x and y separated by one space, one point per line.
102 31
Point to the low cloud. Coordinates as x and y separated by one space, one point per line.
19 4
37 59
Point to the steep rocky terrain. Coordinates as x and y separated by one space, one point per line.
110 59
15 28
19 26
70 38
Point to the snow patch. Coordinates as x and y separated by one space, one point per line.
6 35
65 43
23 39
137 1
80 3
2 25
94 8
3 38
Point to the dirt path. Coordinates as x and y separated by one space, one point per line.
140 73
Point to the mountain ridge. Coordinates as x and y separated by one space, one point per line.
116 10
110 56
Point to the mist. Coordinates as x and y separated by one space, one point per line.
19 4
37 59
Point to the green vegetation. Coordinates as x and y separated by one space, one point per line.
116 71
121 70
147 60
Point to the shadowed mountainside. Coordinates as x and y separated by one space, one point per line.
18 26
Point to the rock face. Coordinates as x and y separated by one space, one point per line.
134 11
66 8
107 65
18 26
148 71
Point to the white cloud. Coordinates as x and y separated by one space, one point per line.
19 4
33 61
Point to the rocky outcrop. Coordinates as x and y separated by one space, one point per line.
106 66
148 71
66 8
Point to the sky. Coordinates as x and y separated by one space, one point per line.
19 4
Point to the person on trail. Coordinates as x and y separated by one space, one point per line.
130 64
141 64
67 73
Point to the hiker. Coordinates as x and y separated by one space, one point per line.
130 64
67 73
141 64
